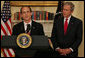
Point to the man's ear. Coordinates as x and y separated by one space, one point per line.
31 13
21 16
71 11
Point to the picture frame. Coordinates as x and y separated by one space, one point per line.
34 3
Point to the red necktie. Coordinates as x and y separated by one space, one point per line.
65 26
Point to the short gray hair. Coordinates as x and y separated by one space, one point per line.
71 5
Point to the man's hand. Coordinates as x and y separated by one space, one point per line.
64 51
67 51
60 51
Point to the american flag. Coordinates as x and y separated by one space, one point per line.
6 28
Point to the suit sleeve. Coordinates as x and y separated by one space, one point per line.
54 35
78 37
14 31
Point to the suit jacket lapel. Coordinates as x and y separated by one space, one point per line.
70 25
22 28
32 28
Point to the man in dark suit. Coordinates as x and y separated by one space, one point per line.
27 26
34 28
67 33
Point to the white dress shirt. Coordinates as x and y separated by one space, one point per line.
25 25
67 20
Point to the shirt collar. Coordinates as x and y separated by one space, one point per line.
68 18
28 23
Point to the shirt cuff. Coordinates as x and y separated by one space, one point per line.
71 49
57 48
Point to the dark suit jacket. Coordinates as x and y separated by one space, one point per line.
36 29
73 37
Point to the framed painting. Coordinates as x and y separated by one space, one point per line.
34 3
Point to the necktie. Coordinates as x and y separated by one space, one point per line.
28 28
65 26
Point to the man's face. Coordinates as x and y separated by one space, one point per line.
26 14
67 11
